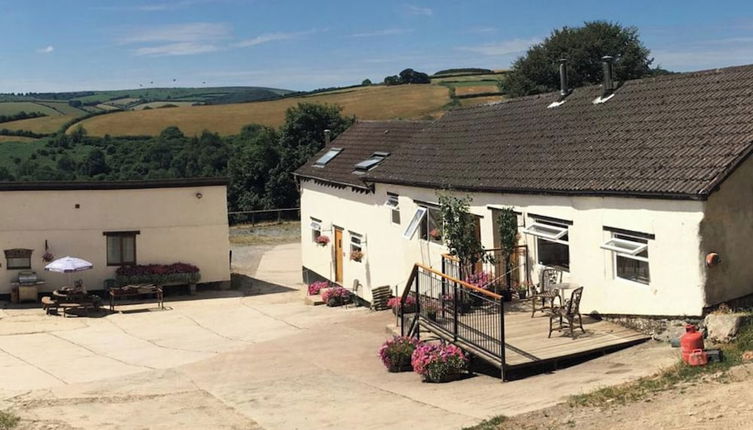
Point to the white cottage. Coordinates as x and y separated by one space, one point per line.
642 192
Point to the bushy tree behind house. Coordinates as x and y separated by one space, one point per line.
538 70
408 76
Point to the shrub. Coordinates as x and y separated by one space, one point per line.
315 287
438 362
335 296
394 302
397 352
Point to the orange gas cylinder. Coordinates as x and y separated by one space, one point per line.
692 340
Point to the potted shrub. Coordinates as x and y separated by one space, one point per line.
431 308
522 289
409 308
335 296
397 352
439 362
506 294
322 240
316 287
356 256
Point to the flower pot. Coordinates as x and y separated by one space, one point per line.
335 301
445 378
400 367
409 309
522 294
506 295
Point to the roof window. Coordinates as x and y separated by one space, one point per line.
326 158
371 162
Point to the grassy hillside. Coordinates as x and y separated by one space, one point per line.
373 102
11 108
46 124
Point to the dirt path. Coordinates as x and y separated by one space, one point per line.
718 403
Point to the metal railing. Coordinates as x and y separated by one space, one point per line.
497 275
263 215
456 310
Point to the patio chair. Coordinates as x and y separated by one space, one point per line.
542 292
569 311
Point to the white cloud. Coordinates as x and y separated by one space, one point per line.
181 48
385 32
505 47
46 50
271 37
418 10
189 32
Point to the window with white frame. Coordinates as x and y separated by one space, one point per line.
415 223
394 205
630 253
552 242
431 225
316 229
356 246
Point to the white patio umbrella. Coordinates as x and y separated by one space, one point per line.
69 265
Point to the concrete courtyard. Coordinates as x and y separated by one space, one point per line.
223 359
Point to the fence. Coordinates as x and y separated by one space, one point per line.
264 215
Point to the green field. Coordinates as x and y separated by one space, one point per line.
11 108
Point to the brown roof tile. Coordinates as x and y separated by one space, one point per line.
358 143
671 136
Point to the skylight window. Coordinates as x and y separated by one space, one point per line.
326 158
371 162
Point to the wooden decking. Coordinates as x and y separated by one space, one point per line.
526 341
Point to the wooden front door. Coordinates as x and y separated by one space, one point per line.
338 255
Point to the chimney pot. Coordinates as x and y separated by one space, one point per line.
608 71
327 136
564 90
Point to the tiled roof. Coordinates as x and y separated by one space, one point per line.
671 136
358 143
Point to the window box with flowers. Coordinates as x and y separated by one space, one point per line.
356 256
322 240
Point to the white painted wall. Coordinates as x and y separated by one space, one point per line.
676 267
175 226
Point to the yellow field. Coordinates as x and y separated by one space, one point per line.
480 100
48 124
16 139
478 89
375 102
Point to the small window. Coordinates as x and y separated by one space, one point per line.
415 222
431 225
316 229
326 158
356 242
18 258
121 248
371 162
630 257
552 243
394 205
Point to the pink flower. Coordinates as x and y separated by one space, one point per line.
394 302
315 287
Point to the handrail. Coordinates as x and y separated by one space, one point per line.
456 280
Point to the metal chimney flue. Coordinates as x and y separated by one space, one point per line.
327 136
608 71
564 90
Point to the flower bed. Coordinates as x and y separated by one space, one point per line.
438 362
396 353
158 274
335 296
315 287
410 304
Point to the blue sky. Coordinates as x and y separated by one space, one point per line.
55 45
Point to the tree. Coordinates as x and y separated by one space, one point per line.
410 76
5 174
366 82
79 134
94 163
507 223
459 232
393 80
255 155
583 47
